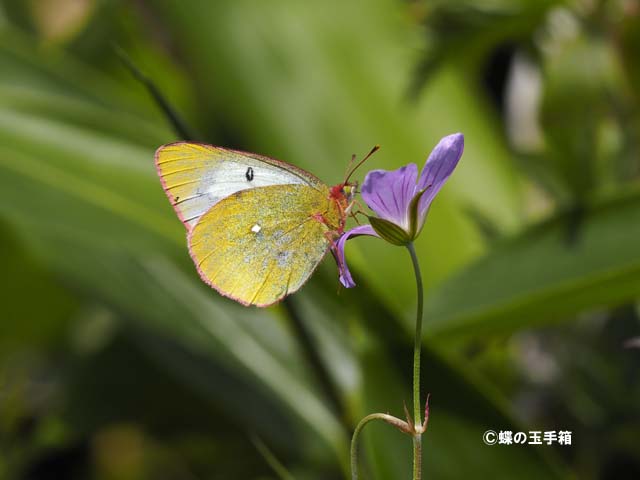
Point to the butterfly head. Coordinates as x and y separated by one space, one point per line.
349 190
344 193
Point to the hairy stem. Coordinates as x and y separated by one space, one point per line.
417 347
417 456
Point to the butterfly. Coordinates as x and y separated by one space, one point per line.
257 228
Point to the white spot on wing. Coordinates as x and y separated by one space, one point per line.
256 228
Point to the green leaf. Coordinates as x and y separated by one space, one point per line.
543 275
580 80
35 309
468 31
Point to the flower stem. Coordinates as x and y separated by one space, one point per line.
417 347
417 456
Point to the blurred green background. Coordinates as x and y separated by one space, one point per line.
117 363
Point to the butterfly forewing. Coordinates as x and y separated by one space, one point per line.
197 176
258 245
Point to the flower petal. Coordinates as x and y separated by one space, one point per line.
436 171
338 252
389 193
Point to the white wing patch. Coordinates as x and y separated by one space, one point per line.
197 176
226 179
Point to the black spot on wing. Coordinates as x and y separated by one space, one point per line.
249 174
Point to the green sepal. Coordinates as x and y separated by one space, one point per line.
389 231
413 214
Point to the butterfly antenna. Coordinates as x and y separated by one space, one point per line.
350 164
373 150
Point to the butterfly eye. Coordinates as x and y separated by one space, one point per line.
349 191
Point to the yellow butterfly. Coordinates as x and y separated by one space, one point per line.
256 227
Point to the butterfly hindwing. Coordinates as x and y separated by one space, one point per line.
197 176
258 245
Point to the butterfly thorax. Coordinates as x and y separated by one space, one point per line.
340 201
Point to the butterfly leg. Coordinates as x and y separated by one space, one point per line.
358 211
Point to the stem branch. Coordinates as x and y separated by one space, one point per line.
390 419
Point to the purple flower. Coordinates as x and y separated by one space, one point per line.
401 199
